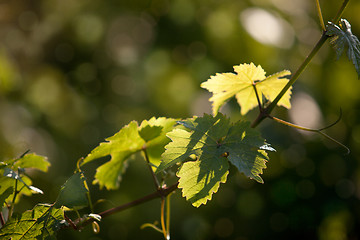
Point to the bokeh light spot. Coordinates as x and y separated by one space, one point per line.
267 28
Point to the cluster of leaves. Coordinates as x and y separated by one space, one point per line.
44 220
201 148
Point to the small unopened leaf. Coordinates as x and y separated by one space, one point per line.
241 85
342 38
73 192
39 223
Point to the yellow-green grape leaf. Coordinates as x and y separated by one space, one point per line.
32 160
39 223
73 193
120 147
200 179
154 132
241 85
149 136
214 141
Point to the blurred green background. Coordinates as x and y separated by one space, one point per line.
74 72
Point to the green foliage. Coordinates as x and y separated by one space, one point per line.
41 222
13 176
73 192
214 141
241 85
149 136
341 38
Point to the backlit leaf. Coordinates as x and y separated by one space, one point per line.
341 38
241 85
149 136
39 223
214 141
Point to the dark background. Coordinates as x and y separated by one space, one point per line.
75 72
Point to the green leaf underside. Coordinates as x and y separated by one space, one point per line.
39 223
341 38
149 136
73 192
227 85
213 140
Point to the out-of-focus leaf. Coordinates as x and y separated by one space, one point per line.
214 141
5 194
39 223
33 161
341 38
73 192
12 174
241 85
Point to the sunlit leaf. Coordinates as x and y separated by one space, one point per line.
33 161
341 38
241 85
214 141
39 223
73 192
155 144
149 136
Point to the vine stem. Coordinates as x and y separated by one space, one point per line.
310 130
160 193
263 114
156 181
320 15
163 226
340 12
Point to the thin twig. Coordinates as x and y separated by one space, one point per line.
2 220
310 130
156 181
168 215
162 192
257 97
320 15
340 12
163 227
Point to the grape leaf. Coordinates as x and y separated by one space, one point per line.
39 223
214 141
9 173
73 192
155 144
226 85
13 170
150 135
33 161
341 38
5 194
